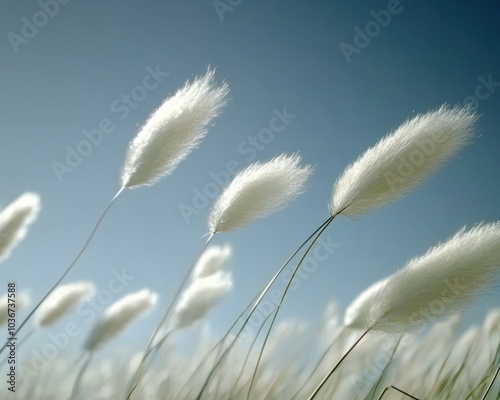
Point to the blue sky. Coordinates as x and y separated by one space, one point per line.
69 75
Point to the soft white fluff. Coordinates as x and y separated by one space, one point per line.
173 131
401 160
14 221
211 261
441 282
357 312
21 299
62 300
258 190
492 321
118 316
200 297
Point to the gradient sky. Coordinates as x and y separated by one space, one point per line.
71 75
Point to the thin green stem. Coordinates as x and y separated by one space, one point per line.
79 376
82 250
387 366
218 346
491 384
318 363
281 302
139 373
398 390
248 355
325 379
260 296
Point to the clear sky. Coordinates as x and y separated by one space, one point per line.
344 89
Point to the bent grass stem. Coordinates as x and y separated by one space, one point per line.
68 269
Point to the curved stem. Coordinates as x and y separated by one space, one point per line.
386 368
260 296
84 247
281 302
398 390
325 379
218 346
240 375
319 362
140 369
79 376
491 384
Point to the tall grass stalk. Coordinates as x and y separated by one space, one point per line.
318 363
253 306
282 299
68 269
493 378
339 363
249 353
471 257
140 369
385 371
75 392
166 139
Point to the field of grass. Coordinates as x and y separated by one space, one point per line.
400 339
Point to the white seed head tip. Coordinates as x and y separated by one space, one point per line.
442 282
201 296
357 312
258 190
402 160
173 131
15 220
211 261
118 316
62 300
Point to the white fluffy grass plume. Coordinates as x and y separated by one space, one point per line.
258 190
173 131
357 312
211 261
118 316
200 297
401 160
441 282
62 300
22 300
14 221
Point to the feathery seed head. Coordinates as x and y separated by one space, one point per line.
357 312
62 300
14 221
173 131
441 282
200 297
258 190
491 322
402 160
211 261
118 316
